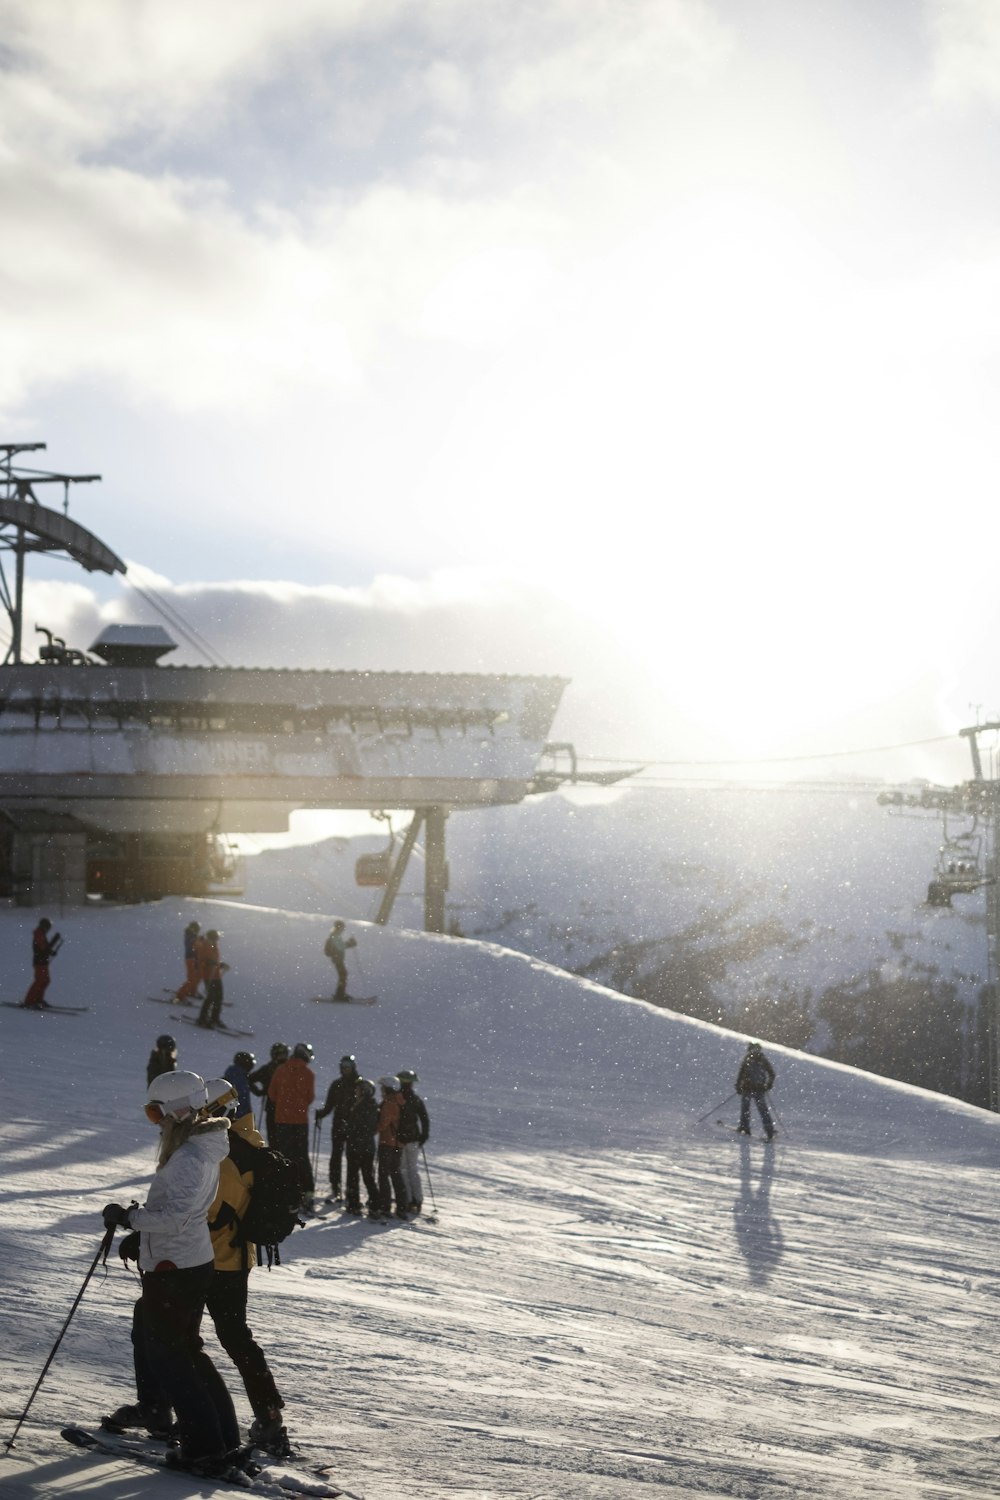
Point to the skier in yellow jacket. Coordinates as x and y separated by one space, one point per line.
227 1297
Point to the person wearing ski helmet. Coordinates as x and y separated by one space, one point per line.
413 1130
238 1073
335 948
43 951
362 1123
189 989
755 1079
339 1102
390 1153
211 969
176 1265
162 1059
260 1082
292 1091
233 1261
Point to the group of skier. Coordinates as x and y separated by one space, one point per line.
203 966
376 1141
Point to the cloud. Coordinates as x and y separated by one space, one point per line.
966 51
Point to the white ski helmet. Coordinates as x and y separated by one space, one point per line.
390 1082
175 1096
222 1096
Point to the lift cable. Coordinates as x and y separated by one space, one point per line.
176 621
770 760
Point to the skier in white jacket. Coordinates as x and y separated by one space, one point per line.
176 1262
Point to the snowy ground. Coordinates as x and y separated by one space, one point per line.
614 1302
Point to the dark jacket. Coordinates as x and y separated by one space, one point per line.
414 1124
159 1062
260 1079
339 1102
43 947
362 1125
756 1075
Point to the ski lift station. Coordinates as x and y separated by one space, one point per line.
121 775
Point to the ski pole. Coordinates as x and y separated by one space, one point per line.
102 1249
430 1187
720 1105
317 1132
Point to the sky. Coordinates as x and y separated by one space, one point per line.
647 342
618 1300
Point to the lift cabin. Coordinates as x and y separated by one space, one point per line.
959 869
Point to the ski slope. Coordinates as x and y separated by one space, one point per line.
615 1301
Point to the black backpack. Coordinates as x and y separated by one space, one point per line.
275 1200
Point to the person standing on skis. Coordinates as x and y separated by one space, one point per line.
413 1130
238 1073
293 1089
211 969
390 1154
43 950
175 1262
189 989
360 1145
260 1082
335 948
339 1102
754 1080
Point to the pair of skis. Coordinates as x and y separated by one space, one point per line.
345 999
46 1010
276 1478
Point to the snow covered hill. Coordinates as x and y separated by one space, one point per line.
716 903
616 1301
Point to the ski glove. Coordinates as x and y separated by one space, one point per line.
129 1247
114 1215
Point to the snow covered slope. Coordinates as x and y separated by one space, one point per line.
616 1301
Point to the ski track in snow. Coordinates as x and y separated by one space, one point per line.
613 1302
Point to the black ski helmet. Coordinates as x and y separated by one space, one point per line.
279 1052
349 1061
303 1050
212 935
406 1075
166 1043
245 1060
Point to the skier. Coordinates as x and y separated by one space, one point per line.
414 1129
43 950
162 1059
175 1262
362 1124
339 1101
754 1080
335 949
390 1179
293 1089
226 1301
260 1082
227 1297
211 970
189 989
238 1075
